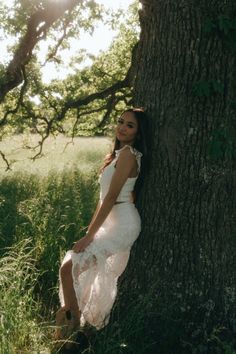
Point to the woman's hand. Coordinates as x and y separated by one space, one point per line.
80 245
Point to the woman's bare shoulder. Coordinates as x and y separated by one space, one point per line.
127 154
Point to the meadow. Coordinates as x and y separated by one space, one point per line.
59 153
45 205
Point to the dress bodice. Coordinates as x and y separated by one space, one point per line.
106 177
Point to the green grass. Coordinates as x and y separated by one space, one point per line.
44 207
58 154
43 210
21 328
51 209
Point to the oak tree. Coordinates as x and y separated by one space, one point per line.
182 71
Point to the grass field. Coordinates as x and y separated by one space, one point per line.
45 205
58 154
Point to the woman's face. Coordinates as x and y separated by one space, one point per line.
127 128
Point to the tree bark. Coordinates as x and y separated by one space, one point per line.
186 252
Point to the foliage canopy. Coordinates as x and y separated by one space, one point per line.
86 101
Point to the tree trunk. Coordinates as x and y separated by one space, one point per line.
186 252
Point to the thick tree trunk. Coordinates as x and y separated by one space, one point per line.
187 249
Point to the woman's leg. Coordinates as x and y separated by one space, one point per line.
68 289
68 316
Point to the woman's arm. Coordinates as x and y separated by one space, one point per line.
95 213
125 164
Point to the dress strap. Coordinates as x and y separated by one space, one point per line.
134 151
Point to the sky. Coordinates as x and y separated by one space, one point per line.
100 40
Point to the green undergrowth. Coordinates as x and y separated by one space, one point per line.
21 327
52 212
41 215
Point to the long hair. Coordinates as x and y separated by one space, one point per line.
140 144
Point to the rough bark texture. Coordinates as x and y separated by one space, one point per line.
187 248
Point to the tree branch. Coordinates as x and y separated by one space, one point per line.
111 90
5 160
3 121
54 50
37 27
111 103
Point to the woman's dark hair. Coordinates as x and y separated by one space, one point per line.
140 144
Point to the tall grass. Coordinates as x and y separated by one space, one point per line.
41 218
53 212
20 329
41 215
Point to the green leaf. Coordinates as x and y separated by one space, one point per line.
214 149
209 26
201 88
207 88
224 24
217 86
221 144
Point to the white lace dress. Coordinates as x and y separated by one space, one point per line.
107 255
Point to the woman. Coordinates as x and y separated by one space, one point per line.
89 272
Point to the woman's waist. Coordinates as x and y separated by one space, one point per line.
125 196
124 201
118 201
